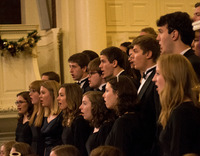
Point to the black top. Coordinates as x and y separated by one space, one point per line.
86 86
77 134
98 138
150 109
135 81
126 134
182 132
23 133
37 140
51 132
194 60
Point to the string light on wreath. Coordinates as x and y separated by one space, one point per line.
22 45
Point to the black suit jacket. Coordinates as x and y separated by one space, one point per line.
135 81
86 87
150 109
195 61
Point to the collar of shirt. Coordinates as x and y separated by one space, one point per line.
184 51
82 81
148 73
119 72
101 86
144 80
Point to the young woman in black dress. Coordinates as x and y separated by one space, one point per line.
25 109
180 109
76 129
126 133
52 127
37 118
94 110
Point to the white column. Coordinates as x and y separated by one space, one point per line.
90 24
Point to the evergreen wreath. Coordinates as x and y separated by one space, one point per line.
21 46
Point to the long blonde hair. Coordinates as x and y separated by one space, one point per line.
52 86
179 78
35 85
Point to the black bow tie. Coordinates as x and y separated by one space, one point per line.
148 71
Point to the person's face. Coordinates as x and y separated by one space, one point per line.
94 79
165 40
110 97
62 99
3 151
53 153
45 77
139 59
34 95
131 56
86 108
76 71
107 68
159 80
22 105
196 16
196 43
45 97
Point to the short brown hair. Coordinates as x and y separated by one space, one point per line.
148 43
22 148
66 150
80 58
8 145
94 65
106 151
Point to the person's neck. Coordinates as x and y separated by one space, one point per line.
180 48
84 76
117 70
149 65
25 118
39 110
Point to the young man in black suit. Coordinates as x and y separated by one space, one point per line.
146 50
176 35
114 62
96 81
78 69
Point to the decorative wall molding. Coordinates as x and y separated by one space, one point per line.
48 49
125 18
16 73
115 13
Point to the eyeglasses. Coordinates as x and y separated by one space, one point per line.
91 73
19 102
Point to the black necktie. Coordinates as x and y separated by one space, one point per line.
148 71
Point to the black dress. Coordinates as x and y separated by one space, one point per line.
182 132
77 134
23 133
126 134
98 138
51 132
37 140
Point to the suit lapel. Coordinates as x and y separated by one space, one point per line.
189 53
146 84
